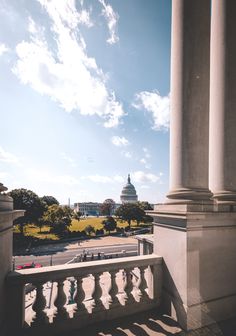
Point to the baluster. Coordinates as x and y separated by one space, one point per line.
60 301
113 290
71 299
39 305
129 298
155 281
80 296
143 284
97 294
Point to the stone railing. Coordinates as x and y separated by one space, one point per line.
72 296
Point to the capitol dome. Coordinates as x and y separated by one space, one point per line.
128 194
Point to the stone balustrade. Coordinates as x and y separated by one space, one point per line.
72 296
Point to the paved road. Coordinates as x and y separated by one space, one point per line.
64 256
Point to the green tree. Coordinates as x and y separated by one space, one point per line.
107 207
58 218
49 200
109 224
129 212
27 200
89 229
145 205
77 215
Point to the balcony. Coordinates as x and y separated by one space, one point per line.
73 296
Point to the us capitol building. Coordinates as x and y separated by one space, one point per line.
128 194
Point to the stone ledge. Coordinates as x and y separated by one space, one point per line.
82 269
202 207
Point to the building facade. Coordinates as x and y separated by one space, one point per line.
92 208
88 208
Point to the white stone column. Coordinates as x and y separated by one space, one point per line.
189 128
222 152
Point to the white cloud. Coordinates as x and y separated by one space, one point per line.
98 178
3 49
90 159
119 178
142 177
154 103
111 18
144 186
69 159
119 141
7 157
45 176
128 155
3 175
104 179
144 161
66 73
84 18
146 153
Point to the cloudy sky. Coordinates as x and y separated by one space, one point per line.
84 91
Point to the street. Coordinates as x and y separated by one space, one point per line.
62 257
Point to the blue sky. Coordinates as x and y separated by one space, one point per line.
84 90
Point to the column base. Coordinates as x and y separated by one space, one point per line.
200 315
189 195
198 250
226 197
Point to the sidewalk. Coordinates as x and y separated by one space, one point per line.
104 241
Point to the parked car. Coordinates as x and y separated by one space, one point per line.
28 265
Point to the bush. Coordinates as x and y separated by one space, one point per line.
120 230
99 232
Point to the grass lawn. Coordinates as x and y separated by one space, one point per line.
34 231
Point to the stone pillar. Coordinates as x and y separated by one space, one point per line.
196 238
7 215
190 63
222 158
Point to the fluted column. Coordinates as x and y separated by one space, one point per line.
190 58
223 101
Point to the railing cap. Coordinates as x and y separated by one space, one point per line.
45 274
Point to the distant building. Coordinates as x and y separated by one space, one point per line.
91 208
88 208
128 194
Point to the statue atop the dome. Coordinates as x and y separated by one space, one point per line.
129 178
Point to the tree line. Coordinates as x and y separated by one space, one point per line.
46 210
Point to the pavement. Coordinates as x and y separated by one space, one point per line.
104 241
152 323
